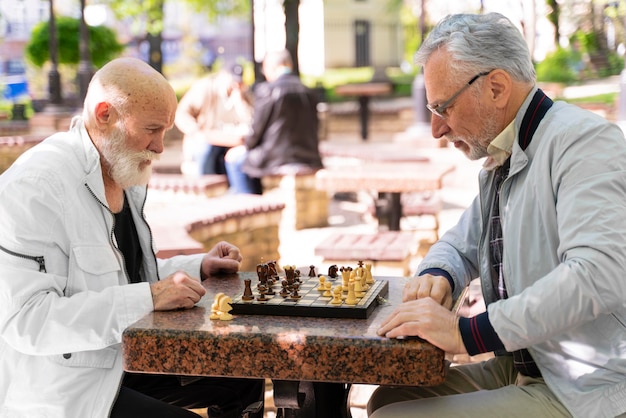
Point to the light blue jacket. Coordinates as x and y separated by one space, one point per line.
563 211
64 302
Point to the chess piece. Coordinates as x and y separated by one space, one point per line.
269 290
337 296
332 271
294 292
351 299
322 287
358 288
339 289
368 269
312 271
345 276
284 291
327 287
247 292
272 272
221 308
290 274
262 292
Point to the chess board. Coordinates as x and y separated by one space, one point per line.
312 303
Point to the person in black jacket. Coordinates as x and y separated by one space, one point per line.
284 135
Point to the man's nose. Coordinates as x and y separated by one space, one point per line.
438 126
157 145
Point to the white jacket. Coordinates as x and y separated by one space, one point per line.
64 297
563 211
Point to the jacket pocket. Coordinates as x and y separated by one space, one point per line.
93 267
101 359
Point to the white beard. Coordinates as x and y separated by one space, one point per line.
125 165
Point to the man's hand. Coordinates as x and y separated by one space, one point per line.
428 286
176 291
427 319
223 258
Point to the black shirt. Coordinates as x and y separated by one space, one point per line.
128 242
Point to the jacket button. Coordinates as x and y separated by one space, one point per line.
67 355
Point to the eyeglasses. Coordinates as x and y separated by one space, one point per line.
440 109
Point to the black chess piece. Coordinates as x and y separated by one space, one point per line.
272 270
332 271
247 292
262 292
294 292
284 291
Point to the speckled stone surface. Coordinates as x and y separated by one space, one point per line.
187 342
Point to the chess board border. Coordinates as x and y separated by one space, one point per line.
289 307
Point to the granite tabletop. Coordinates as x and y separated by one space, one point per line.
187 342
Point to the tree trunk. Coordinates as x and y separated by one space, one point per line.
155 38
292 30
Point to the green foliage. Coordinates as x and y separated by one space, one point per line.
606 98
588 41
103 44
601 63
558 66
150 12
616 65
402 82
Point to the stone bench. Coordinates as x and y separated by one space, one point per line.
391 249
305 205
192 226
423 204
209 185
11 147
416 204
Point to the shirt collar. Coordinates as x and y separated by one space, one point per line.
499 149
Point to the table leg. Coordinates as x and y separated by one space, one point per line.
389 210
295 399
395 211
364 115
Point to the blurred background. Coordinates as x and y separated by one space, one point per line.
334 41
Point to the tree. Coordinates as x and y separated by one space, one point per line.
103 44
149 13
292 30
553 17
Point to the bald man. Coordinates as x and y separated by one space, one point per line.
78 267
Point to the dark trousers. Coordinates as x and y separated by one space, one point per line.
163 396
210 159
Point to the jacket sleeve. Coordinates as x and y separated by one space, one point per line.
457 250
191 106
190 264
263 106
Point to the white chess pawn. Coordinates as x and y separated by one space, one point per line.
327 287
351 299
337 296
322 285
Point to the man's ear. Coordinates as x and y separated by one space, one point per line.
500 87
103 113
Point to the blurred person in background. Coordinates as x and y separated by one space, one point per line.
284 136
213 115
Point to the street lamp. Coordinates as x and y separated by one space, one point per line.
85 71
54 78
